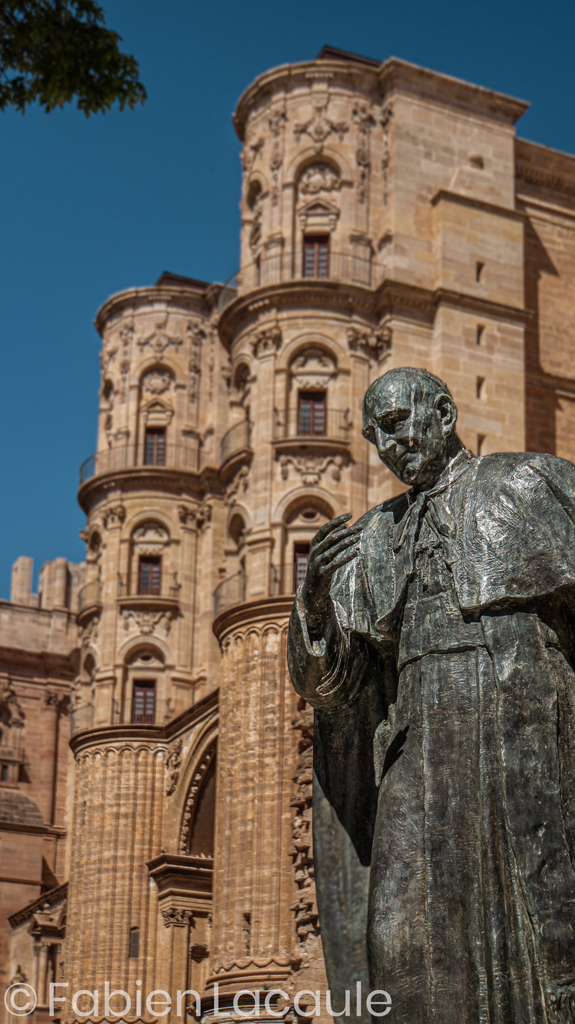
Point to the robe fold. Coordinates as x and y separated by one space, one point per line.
444 752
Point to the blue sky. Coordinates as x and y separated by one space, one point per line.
89 207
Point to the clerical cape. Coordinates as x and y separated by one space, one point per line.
444 753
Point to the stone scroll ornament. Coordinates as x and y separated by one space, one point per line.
435 639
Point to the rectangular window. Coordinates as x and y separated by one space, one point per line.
144 703
312 413
300 560
155 446
134 944
150 574
316 256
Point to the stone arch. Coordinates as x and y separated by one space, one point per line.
307 495
155 642
310 156
312 339
199 751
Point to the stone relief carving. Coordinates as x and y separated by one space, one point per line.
276 123
239 484
252 148
177 916
385 121
374 344
145 622
157 382
365 122
192 796
11 711
311 467
266 341
199 516
318 178
151 539
320 127
313 370
90 633
159 340
197 335
305 907
173 765
113 516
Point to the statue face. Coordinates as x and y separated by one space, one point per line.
410 425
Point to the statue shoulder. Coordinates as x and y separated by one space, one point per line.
507 468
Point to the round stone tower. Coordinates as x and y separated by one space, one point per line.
306 337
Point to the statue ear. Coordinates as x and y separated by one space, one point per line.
447 412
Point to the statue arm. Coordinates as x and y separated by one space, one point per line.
328 672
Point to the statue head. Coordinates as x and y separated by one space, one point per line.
409 415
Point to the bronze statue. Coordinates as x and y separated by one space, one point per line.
435 639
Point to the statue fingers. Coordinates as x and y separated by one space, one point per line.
344 543
333 539
343 559
328 527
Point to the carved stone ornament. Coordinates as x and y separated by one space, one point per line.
266 341
197 334
385 120
113 516
147 622
199 516
239 484
90 633
156 382
192 796
311 467
313 369
301 849
365 122
276 123
320 127
173 765
318 178
151 539
11 711
373 344
252 148
178 916
159 340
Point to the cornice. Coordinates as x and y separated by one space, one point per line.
268 610
393 294
445 194
303 292
149 733
401 75
53 897
139 479
133 300
542 167
393 74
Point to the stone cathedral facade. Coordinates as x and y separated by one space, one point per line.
155 788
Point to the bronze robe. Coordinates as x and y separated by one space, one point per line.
444 791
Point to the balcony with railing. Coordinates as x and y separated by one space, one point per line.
296 427
280 268
236 440
230 592
176 457
130 711
160 591
89 598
